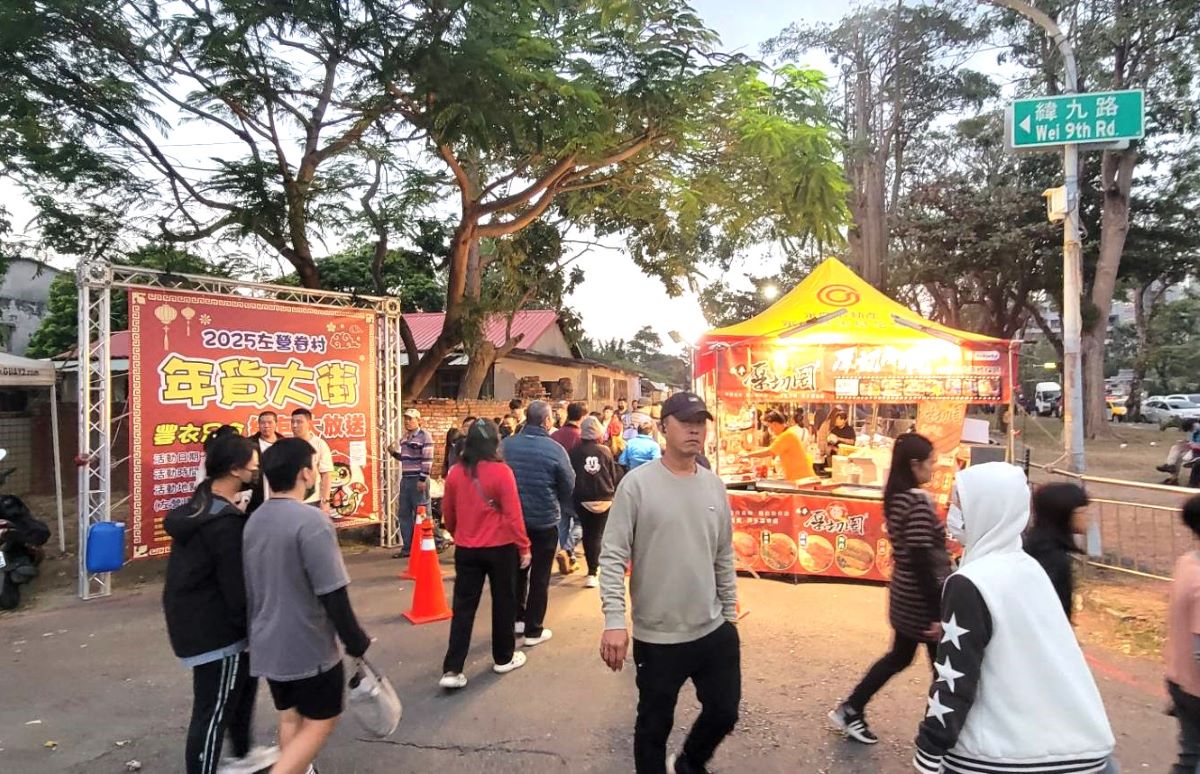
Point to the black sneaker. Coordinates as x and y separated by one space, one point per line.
853 724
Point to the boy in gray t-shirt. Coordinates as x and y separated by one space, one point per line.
298 606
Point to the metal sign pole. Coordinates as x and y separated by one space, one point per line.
1072 255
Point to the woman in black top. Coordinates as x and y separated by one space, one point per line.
1059 513
204 600
921 567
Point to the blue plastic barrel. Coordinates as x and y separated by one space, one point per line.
105 546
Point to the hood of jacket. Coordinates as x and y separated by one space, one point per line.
184 522
994 499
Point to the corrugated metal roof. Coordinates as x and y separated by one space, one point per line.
426 326
118 346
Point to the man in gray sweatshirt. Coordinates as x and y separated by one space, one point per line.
671 519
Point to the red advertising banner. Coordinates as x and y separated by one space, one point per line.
932 370
199 361
810 534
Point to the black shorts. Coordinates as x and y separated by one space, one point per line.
321 697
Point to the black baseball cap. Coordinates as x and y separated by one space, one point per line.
685 406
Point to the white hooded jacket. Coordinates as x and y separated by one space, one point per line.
1013 692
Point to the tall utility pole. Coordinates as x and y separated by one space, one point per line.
1072 254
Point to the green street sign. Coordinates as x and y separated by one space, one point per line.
1097 117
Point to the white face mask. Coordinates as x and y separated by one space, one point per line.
955 524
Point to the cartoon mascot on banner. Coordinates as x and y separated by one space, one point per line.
347 487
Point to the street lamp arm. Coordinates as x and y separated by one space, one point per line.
1056 34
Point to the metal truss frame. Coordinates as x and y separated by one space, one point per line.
96 280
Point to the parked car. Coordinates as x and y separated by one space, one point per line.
1166 412
1193 397
1116 409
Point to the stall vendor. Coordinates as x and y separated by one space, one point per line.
840 433
788 446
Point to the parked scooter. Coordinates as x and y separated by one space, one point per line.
21 539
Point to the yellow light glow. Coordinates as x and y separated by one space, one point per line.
1050 366
770 292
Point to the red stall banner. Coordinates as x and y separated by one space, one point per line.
810 534
913 372
200 360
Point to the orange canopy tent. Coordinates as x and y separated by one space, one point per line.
834 337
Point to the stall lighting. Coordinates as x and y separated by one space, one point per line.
770 292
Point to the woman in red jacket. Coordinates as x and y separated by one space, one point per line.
482 511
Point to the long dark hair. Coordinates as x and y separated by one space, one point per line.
482 444
1053 505
909 448
453 436
223 454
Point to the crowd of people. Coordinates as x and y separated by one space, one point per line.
1010 689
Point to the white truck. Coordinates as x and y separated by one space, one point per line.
1046 398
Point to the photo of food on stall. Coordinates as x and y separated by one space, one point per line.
809 396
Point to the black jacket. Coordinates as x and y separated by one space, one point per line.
596 474
204 597
1053 552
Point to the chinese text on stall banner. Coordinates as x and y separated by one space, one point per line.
199 361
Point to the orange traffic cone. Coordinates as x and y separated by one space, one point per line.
429 595
414 551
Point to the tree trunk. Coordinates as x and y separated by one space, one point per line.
306 270
1141 324
480 357
1117 179
420 375
876 226
377 261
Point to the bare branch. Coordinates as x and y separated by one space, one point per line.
556 173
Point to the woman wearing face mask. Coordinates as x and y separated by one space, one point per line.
204 599
1059 514
1012 692
919 542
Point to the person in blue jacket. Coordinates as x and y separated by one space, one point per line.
545 483
642 448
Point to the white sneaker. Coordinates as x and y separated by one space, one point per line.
518 661
453 681
592 582
258 759
531 641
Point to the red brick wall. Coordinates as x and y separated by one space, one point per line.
438 415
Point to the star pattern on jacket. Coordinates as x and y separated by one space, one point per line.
947 673
936 708
951 632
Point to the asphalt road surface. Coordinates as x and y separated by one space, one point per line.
90 687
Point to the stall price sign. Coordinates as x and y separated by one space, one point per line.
810 534
1097 117
199 361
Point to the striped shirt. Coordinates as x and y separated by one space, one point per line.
917 536
416 454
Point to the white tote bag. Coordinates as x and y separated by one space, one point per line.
373 700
